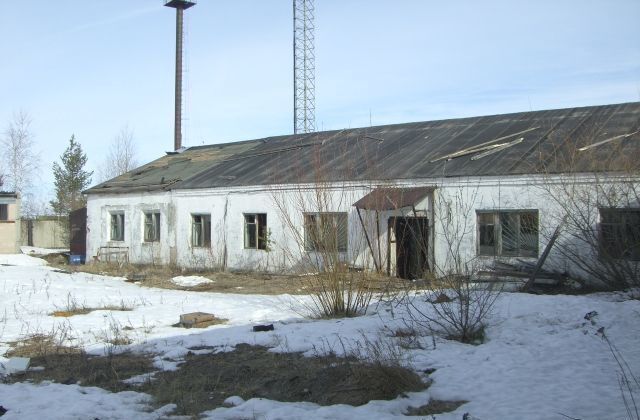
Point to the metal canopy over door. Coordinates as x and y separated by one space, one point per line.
407 236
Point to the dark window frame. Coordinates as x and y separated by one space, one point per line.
151 226
117 225
201 230
4 212
508 233
326 231
619 233
255 231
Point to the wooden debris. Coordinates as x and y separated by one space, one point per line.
527 287
198 320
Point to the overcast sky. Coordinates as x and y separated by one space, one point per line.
90 67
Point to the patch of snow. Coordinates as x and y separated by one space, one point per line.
52 401
14 365
42 251
233 401
140 379
21 260
190 281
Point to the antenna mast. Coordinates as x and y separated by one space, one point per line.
304 83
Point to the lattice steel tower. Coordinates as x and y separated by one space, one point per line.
180 6
304 82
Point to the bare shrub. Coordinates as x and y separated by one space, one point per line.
455 305
457 308
327 248
114 336
596 189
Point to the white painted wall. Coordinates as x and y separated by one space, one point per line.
454 205
99 208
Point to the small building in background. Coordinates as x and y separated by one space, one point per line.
45 232
9 222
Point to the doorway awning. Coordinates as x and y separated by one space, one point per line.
392 198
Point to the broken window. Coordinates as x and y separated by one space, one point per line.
620 233
201 230
4 212
255 231
152 226
512 233
117 226
326 232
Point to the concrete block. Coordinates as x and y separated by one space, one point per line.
194 319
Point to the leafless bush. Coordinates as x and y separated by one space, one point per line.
596 189
455 305
457 308
114 336
326 248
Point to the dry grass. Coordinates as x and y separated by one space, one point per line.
204 381
39 345
160 276
72 312
78 367
83 310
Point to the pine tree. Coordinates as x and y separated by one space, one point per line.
70 179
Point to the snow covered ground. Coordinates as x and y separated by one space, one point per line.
542 359
34 250
190 281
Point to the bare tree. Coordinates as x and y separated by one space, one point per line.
121 157
323 246
21 161
455 305
599 213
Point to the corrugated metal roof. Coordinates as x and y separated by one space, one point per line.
167 172
509 144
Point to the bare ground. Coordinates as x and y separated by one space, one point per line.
224 281
204 381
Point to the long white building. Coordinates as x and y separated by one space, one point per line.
406 199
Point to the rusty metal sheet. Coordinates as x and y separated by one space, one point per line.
390 198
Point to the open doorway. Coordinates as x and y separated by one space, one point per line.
409 244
